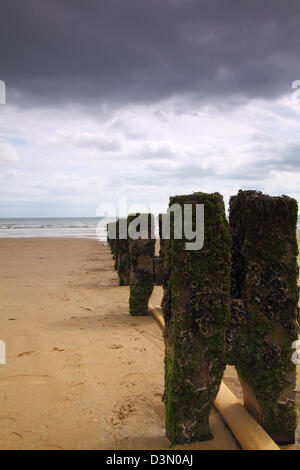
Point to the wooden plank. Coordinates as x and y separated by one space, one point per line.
247 431
157 314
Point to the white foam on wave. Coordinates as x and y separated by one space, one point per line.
51 227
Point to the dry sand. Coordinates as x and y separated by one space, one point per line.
80 373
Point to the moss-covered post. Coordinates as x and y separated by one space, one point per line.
116 246
141 264
112 240
158 260
157 270
123 265
264 278
196 312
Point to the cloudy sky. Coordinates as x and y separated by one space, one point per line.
146 99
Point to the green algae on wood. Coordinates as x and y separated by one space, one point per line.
123 264
157 270
141 266
264 278
196 312
236 334
113 241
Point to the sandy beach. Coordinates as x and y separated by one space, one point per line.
81 373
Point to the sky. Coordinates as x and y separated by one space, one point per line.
141 100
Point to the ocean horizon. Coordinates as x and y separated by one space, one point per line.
66 227
69 227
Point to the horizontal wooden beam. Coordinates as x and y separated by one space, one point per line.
157 314
247 431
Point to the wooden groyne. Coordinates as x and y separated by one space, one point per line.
232 301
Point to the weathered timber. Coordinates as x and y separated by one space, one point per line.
263 326
141 265
196 311
246 430
157 270
113 241
123 264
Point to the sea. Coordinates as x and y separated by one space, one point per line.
69 227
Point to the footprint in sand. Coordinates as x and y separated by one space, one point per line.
28 353
125 410
76 388
116 346
18 435
58 349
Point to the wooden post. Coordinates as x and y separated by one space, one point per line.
141 265
196 313
246 430
113 241
123 264
264 278
157 270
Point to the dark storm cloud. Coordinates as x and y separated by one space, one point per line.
145 50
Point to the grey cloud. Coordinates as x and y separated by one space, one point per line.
289 158
94 141
156 152
271 156
116 51
285 158
167 175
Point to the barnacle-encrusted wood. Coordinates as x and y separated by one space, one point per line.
196 312
157 269
112 241
141 266
123 264
264 278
